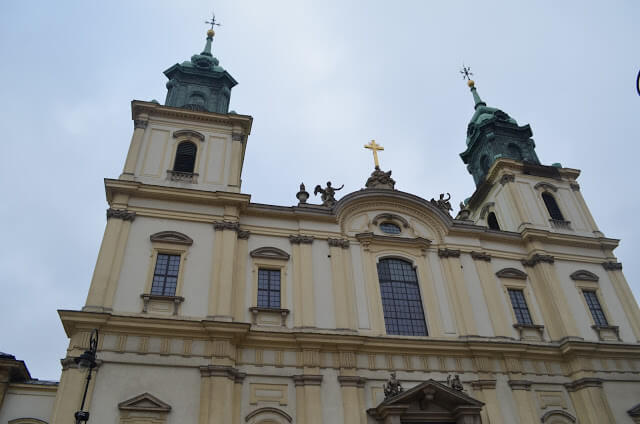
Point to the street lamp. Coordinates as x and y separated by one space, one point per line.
87 361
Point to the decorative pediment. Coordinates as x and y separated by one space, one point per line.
545 186
188 134
270 253
390 217
428 402
557 416
267 413
511 273
584 275
144 402
171 237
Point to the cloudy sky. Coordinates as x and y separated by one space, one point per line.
320 80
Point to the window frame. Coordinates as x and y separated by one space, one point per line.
166 248
520 283
547 194
269 290
584 291
175 156
191 136
526 304
273 264
420 293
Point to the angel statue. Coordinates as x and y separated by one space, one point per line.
443 204
328 194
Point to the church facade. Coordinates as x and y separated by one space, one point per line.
377 307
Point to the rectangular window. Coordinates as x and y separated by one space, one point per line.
269 288
596 310
165 275
520 308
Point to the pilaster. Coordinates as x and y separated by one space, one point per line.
343 297
304 310
240 276
312 398
224 252
351 402
488 390
492 295
525 402
218 400
109 262
627 300
522 218
70 391
551 298
139 127
457 289
430 298
589 401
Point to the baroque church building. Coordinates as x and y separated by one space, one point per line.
377 307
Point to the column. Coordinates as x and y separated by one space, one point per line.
217 403
516 200
351 402
139 126
525 402
224 251
109 262
627 300
487 388
240 276
312 398
492 295
70 391
458 291
237 146
343 298
583 205
304 307
551 299
589 401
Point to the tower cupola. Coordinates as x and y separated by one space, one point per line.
201 83
493 134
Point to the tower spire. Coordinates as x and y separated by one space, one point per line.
467 74
210 34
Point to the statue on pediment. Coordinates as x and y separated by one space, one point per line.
328 194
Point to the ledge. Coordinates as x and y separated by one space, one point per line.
530 332
146 298
269 316
607 333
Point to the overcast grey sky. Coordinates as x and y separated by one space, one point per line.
320 79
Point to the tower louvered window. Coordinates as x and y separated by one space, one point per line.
185 157
401 302
552 207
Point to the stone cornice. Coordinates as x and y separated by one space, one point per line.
137 189
449 253
351 381
481 256
612 266
226 225
189 134
139 107
343 243
366 239
300 239
483 384
520 384
222 371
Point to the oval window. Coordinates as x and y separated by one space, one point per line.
390 228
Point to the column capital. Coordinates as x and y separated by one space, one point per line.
351 381
449 253
583 383
536 259
122 214
307 380
483 384
140 123
612 266
520 384
300 239
222 371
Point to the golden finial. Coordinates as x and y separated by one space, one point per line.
466 74
211 33
212 22
470 83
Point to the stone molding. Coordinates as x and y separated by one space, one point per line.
307 380
222 371
583 383
612 266
140 123
481 256
520 384
485 209
536 259
171 237
511 273
268 252
189 134
483 384
530 331
255 310
244 234
344 243
182 177
351 381
449 253
545 186
141 403
237 137
574 186
122 214
606 331
70 362
268 410
146 298
301 239
507 178
584 275
226 225
555 413
389 217
366 239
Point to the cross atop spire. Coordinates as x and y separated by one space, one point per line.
374 147
212 22
466 72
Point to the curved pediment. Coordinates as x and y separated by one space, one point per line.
269 253
584 275
171 237
363 210
557 416
268 412
512 273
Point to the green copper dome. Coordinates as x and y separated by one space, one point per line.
493 134
200 84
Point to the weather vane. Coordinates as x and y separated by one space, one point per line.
212 22
466 72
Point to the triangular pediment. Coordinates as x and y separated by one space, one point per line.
144 402
427 401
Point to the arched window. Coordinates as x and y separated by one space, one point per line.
552 206
185 157
492 221
401 302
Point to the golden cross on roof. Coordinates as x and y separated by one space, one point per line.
375 147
